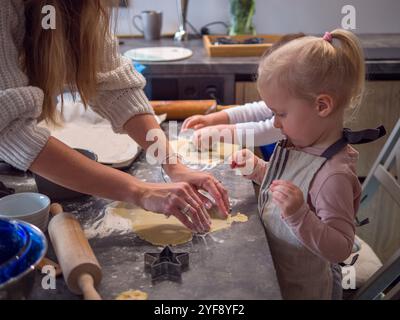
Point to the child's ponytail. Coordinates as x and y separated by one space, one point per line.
351 59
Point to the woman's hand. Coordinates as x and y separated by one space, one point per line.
287 196
178 199
200 121
206 182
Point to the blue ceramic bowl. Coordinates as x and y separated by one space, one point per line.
19 278
15 243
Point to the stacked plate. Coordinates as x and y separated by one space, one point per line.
28 206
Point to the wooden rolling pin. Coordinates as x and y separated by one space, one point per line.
79 265
181 109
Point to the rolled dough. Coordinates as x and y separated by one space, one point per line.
160 230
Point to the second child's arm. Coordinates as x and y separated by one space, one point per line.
200 121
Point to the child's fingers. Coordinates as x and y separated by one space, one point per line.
285 183
198 126
189 123
282 188
184 124
282 182
280 195
277 198
234 157
242 156
235 164
278 202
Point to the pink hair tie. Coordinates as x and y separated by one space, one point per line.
327 37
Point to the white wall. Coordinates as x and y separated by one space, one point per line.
275 16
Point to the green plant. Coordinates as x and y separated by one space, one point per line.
242 12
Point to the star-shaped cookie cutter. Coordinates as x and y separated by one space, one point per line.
166 265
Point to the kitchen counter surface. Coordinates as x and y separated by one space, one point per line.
382 53
234 263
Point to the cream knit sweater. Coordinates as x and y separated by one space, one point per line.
120 92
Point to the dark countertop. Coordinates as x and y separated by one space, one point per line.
234 263
382 53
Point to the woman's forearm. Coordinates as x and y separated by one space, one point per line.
139 126
140 129
67 167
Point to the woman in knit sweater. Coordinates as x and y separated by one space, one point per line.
37 64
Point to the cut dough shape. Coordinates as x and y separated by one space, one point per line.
132 295
190 154
160 230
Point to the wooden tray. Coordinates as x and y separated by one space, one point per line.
238 50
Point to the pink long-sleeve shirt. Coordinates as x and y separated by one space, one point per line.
325 223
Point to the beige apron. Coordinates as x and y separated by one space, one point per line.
301 273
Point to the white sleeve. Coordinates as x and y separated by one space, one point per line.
264 133
249 112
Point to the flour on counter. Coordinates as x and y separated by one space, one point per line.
109 223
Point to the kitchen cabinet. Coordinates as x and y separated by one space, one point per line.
246 91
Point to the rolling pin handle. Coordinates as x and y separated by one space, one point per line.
86 284
55 209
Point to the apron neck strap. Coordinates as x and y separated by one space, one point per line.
354 137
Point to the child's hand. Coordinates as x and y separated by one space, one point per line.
207 138
196 122
246 161
287 196
200 121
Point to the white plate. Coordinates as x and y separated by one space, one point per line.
157 54
84 129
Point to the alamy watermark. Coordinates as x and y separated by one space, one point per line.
349 18
49 280
211 144
49 19
348 277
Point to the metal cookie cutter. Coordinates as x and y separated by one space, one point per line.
166 265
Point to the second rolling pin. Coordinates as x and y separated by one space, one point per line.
79 265
181 109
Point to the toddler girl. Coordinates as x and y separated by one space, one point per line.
309 191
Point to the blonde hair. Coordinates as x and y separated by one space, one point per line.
68 56
309 66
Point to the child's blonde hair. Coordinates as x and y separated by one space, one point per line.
310 66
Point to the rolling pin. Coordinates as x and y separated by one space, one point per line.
181 109
79 265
